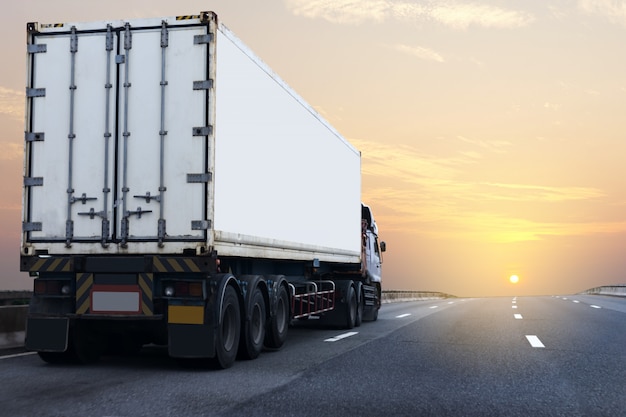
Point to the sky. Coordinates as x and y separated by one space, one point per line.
492 132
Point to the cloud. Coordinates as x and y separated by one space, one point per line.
423 194
552 106
456 15
522 192
614 10
12 103
417 51
461 16
496 146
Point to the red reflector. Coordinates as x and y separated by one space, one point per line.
40 287
195 289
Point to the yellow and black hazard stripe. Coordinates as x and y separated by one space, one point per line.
162 264
52 25
84 282
146 282
51 265
188 17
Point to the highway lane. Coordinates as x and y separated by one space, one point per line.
477 359
441 357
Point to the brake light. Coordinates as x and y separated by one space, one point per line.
40 287
52 287
195 289
183 289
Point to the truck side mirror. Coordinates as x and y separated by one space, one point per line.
383 246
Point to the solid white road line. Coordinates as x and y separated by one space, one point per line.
594 306
401 316
341 336
17 355
534 341
517 316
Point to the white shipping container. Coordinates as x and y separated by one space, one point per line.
158 136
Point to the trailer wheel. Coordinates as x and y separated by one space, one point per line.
229 330
254 329
351 308
279 324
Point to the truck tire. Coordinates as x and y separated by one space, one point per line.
351 308
254 329
359 310
279 324
229 330
378 302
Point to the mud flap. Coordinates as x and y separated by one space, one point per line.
191 340
47 334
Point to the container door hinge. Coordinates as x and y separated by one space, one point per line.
203 85
200 178
35 92
34 136
33 181
203 131
203 39
36 48
200 224
31 226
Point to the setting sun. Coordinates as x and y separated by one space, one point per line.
514 279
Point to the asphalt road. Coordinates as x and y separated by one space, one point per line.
537 356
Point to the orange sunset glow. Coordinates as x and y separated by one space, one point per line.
492 133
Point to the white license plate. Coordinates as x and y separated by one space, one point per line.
111 301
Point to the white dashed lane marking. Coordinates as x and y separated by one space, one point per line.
534 341
341 336
517 316
401 316
594 306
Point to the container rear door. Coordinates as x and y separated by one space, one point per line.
117 142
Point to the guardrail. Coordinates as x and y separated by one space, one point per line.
615 290
394 296
13 317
